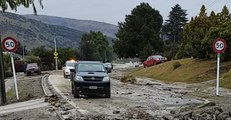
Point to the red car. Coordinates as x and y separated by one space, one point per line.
153 60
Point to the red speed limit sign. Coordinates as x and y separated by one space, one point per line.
219 45
9 44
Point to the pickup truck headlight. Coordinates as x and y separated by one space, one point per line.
78 78
106 79
67 70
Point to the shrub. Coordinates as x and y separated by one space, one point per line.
176 65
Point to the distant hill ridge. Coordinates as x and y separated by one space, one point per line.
80 25
33 33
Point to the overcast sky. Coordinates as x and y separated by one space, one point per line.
114 11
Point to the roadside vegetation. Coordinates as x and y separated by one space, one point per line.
186 43
226 80
188 71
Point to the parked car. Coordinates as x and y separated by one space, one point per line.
32 68
90 77
108 66
70 64
153 60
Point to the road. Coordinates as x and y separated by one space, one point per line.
146 99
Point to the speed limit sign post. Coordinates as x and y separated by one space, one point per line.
219 46
10 44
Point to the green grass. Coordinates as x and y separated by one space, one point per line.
185 70
226 80
10 96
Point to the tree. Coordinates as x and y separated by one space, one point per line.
202 30
93 46
194 32
13 4
67 54
221 28
173 27
46 57
21 49
141 28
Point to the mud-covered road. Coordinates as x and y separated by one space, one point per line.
146 99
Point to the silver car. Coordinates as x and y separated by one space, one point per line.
66 68
108 66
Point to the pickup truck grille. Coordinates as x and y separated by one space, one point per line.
92 78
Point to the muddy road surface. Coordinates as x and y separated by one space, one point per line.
145 99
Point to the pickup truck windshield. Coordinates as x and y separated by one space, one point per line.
90 67
71 64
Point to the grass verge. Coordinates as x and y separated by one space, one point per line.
186 70
27 89
226 80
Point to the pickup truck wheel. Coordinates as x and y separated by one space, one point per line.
72 91
108 92
28 74
75 92
65 76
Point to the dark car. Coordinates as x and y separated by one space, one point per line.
32 68
90 77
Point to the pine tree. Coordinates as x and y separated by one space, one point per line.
141 28
173 27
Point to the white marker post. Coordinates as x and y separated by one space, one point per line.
219 46
10 45
218 73
15 80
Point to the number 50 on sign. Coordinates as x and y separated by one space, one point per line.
219 45
9 44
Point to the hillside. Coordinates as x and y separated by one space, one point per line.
80 25
35 33
190 71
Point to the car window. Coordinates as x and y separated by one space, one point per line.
32 65
72 64
157 56
149 58
86 67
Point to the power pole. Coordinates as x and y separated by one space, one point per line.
56 62
2 73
